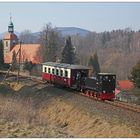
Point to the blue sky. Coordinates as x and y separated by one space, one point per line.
92 16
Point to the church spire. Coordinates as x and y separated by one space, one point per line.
11 25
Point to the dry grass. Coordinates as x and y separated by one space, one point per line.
26 116
81 124
16 86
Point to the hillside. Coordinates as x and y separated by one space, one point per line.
117 50
36 110
63 30
72 31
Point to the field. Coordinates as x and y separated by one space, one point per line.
36 110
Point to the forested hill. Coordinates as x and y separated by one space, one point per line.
118 50
72 31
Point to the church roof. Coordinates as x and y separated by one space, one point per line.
10 36
31 52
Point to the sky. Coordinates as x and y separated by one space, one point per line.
98 17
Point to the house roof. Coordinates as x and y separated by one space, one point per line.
31 52
10 36
125 84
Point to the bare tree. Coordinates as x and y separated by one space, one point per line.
51 40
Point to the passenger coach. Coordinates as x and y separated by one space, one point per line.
64 74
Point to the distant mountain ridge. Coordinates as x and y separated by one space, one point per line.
72 31
65 31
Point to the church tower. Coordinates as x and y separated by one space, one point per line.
10 39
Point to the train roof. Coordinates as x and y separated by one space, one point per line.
64 65
106 74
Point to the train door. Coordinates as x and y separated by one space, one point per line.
78 78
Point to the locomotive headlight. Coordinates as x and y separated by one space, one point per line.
103 91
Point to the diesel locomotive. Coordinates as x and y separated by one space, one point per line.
76 77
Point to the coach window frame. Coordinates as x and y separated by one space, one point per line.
45 69
66 73
49 70
61 73
53 71
57 72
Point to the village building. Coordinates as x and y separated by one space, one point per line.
125 85
29 52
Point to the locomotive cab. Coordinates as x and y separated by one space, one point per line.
106 84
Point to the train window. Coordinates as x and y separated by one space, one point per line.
57 71
106 77
66 73
61 73
45 69
49 70
52 71
114 77
100 77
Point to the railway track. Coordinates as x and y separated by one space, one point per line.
128 106
124 105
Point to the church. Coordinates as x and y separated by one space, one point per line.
29 52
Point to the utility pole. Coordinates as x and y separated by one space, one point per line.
19 62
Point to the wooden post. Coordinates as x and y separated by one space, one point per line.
19 63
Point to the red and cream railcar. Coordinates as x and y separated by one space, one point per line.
63 74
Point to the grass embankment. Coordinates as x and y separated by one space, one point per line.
33 113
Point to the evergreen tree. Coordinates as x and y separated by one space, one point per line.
135 74
105 38
28 65
94 64
1 54
68 54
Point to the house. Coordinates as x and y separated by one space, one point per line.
30 52
125 85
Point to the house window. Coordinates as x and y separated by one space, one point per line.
66 73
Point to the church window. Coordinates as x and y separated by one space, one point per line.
6 43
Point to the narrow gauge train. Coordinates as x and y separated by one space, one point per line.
76 77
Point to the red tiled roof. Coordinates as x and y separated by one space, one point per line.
125 84
10 36
31 52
